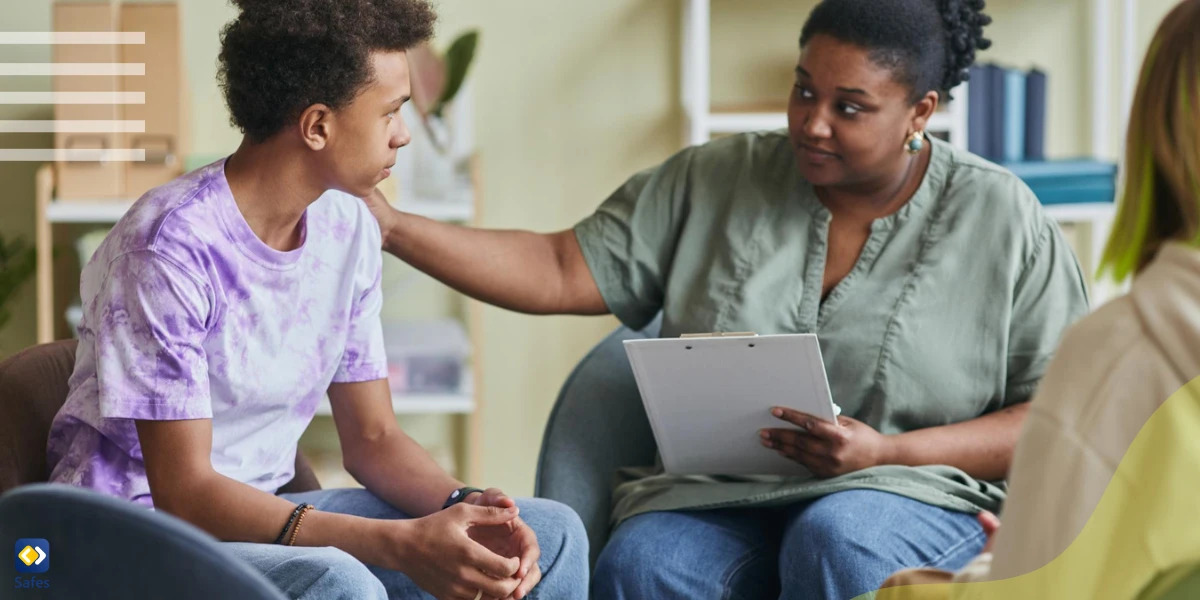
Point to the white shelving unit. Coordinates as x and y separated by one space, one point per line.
1080 213
703 121
450 404
460 403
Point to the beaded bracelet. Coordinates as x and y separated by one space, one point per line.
299 508
299 520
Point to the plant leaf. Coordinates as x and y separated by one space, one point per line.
458 61
427 75
18 261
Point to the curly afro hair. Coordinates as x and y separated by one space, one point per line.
278 57
928 44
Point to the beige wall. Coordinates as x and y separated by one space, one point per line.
202 23
571 98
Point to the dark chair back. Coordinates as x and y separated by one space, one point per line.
106 548
598 426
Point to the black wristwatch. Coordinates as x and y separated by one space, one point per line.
459 495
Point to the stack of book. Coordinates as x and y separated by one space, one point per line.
1007 114
1006 124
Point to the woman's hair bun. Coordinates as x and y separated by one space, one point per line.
963 21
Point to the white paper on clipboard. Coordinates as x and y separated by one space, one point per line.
708 397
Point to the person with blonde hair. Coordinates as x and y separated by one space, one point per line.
1116 369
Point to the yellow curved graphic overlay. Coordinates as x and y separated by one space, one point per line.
1143 540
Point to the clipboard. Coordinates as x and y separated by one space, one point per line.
708 395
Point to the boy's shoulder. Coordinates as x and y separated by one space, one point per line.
177 221
182 211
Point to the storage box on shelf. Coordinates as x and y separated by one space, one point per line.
148 104
427 356
103 178
428 368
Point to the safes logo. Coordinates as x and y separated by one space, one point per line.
33 555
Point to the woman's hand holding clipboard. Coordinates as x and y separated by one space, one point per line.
827 449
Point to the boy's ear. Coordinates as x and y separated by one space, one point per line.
316 125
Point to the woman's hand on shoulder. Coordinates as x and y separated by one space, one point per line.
826 449
384 213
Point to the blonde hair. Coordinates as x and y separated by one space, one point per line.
1160 191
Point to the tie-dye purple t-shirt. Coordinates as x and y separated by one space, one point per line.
188 315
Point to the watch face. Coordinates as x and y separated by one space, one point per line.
453 499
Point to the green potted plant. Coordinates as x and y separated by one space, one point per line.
17 264
441 142
437 79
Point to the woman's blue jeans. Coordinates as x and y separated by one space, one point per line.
834 548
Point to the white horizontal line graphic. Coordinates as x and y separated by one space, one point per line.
72 97
72 155
68 126
72 68
72 37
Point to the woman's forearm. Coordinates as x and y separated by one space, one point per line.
981 447
516 270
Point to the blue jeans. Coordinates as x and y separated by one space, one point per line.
329 573
836 548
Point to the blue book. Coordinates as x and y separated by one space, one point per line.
978 93
1014 116
1069 181
995 114
1035 115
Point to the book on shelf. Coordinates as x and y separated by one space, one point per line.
1035 115
1014 116
1079 181
1007 113
978 109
